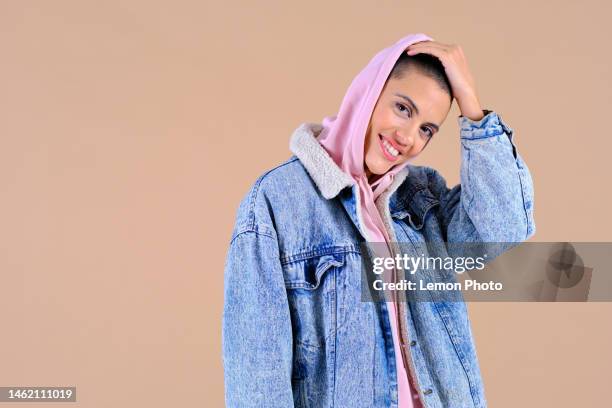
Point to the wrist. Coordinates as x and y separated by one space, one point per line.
475 115
470 107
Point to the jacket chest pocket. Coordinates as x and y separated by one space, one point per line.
311 285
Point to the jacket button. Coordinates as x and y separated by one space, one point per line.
427 391
413 343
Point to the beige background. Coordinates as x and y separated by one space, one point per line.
131 130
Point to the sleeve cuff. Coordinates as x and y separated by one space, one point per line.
489 126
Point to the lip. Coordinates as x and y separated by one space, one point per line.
393 143
384 150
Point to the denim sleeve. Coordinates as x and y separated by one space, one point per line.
257 338
494 200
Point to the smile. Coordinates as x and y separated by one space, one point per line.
390 152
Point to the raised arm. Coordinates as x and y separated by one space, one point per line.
494 200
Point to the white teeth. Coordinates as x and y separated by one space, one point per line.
393 151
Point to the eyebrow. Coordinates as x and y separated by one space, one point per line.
416 109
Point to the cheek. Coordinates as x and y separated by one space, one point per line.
418 147
384 118
391 120
369 141
369 147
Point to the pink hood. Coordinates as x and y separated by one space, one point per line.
343 135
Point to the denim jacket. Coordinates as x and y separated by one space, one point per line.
295 332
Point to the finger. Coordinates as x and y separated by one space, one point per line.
429 43
439 52
423 42
427 46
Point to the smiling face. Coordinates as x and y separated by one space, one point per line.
409 111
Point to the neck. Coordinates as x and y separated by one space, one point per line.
371 176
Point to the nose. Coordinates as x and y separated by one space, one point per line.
406 135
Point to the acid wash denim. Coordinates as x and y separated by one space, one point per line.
295 332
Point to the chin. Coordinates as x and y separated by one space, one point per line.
378 168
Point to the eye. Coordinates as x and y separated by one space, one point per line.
428 131
403 108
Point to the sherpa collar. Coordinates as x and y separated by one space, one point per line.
327 175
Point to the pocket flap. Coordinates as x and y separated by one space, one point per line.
308 273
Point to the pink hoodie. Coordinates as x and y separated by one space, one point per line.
343 137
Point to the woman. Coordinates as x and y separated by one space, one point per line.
295 329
